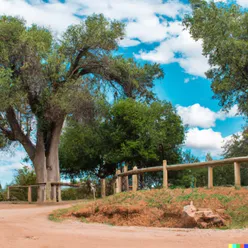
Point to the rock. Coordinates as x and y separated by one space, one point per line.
202 217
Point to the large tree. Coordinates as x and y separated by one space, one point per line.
43 79
130 131
223 29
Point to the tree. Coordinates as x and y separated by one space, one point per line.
237 146
24 176
44 79
129 132
223 30
209 157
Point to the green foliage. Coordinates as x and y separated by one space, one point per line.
24 176
47 79
137 130
223 28
130 131
237 146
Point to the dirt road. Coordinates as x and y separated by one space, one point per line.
27 226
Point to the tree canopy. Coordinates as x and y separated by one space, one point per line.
130 132
43 79
223 30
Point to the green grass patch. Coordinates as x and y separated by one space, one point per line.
191 196
239 217
224 199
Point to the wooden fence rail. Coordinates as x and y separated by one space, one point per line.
166 168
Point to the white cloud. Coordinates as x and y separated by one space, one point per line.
9 163
181 48
126 42
198 116
145 19
54 15
243 3
206 140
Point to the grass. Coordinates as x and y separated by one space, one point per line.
160 208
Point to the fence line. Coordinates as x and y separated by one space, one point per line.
120 176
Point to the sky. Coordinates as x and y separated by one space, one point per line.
153 34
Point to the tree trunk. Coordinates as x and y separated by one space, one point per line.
52 159
39 162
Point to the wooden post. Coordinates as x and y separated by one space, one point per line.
8 193
118 182
165 174
210 177
59 193
237 174
125 169
103 187
29 194
135 180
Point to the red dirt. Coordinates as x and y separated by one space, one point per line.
159 208
27 226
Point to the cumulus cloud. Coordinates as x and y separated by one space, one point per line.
199 116
179 47
145 19
205 140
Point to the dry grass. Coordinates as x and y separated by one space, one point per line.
161 208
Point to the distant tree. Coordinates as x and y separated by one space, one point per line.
209 157
237 146
44 79
223 30
24 176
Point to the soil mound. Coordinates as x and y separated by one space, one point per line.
163 208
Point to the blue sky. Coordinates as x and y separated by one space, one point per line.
153 34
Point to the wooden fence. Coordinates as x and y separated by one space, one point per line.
57 189
121 178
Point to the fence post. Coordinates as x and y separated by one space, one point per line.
165 174
29 194
210 177
237 174
118 182
59 193
8 193
103 187
135 180
125 169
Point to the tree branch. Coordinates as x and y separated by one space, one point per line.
18 134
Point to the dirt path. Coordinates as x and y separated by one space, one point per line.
27 226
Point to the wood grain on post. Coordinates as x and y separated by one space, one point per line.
29 194
165 174
237 174
210 177
135 180
125 169
103 187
